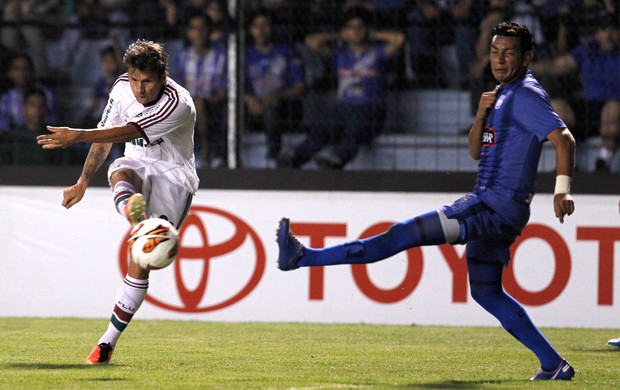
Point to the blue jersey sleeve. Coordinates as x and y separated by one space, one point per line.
533 111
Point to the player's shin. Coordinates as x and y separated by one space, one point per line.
426 229
129 298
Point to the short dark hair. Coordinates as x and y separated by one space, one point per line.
518 30
35 91
147 55
358 12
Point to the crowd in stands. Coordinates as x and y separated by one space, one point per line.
356 49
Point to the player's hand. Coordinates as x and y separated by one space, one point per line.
72 195
563 205
487 99
60 137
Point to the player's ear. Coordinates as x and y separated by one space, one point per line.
527 57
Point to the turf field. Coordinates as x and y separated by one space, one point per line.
48 353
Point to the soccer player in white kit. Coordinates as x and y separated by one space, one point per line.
157 177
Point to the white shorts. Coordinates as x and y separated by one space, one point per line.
164 198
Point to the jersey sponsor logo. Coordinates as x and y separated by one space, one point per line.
205 253
106 113
488 137
140 142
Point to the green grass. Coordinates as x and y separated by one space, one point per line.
48 353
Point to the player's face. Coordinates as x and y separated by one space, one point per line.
507 61
145 85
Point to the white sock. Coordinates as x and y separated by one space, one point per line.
122 191
129 297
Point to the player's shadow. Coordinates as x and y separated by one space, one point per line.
458 384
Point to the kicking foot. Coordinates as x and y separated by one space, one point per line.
290 248
135 209
564 372
101 354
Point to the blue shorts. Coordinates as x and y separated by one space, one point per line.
488 238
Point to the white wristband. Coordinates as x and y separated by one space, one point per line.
562 184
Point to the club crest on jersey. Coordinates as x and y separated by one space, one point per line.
488 137
499 102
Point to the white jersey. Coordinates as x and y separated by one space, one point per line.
167 128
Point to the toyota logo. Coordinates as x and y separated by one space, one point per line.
223 241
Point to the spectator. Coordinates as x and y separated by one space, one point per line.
22 76
87 23
156 19
466 18
111 67
596 110
429 29
361 67
274 84
19 144
222 22
578 20
22 23
201 68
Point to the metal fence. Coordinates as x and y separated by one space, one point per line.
316 84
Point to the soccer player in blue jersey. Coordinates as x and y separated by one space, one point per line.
512 123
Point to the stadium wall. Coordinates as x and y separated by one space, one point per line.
69 263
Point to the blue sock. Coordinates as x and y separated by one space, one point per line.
422 230
485 280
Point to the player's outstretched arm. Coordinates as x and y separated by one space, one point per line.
96 156
564 144
63 137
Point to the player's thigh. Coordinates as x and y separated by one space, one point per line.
167 200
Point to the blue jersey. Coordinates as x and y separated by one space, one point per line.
515 130
276 70
362 77
202 75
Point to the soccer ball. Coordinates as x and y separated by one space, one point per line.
153 244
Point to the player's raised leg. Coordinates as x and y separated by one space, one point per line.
432 228
127 199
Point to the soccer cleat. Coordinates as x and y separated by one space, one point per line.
564 372
290 248
101 354
135 209
614 343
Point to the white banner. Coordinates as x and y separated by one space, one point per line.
58 263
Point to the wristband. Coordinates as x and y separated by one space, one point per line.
562 184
